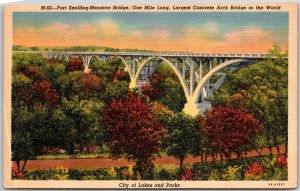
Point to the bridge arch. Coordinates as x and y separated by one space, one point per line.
96 56
127 66
219 67
177 72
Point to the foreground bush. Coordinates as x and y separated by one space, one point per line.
243 169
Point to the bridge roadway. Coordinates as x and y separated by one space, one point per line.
167 54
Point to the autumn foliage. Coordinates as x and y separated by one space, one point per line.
53 61
41 92
132 130
89 84
121 75
34 72
75 64
255 169
228 129
44 91
282 160
154 90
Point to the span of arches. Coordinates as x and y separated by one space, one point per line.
194 71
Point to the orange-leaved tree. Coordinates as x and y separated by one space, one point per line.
132 131
42 91
75 64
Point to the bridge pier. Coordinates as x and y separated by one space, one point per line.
87 70
133 85
195 109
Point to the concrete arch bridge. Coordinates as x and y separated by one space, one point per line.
194 70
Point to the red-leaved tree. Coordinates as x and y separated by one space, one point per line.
132 131
151 91
75 64
42 91
229 129
89 84
154 90
121 75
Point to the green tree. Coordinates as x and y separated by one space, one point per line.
183 137
22 145
21 60
115 90
85 116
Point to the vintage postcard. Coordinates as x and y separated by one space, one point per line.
150 96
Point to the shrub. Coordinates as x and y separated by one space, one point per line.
40 175
60 173
164 174
281 160
112 173
187 174
169 172
89 174
255 171
254 168
124 173
233 173
17 174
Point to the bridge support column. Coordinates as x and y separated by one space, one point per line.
133 84
87 70
194 109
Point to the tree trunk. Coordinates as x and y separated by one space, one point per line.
24 164
276 143
254 147
286 146
139 169
269 144
18 165
213 157
181 166
101 148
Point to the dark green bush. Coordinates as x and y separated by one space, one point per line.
40 175
89 174
164 174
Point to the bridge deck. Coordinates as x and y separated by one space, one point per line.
166 54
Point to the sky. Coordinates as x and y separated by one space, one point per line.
205 32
